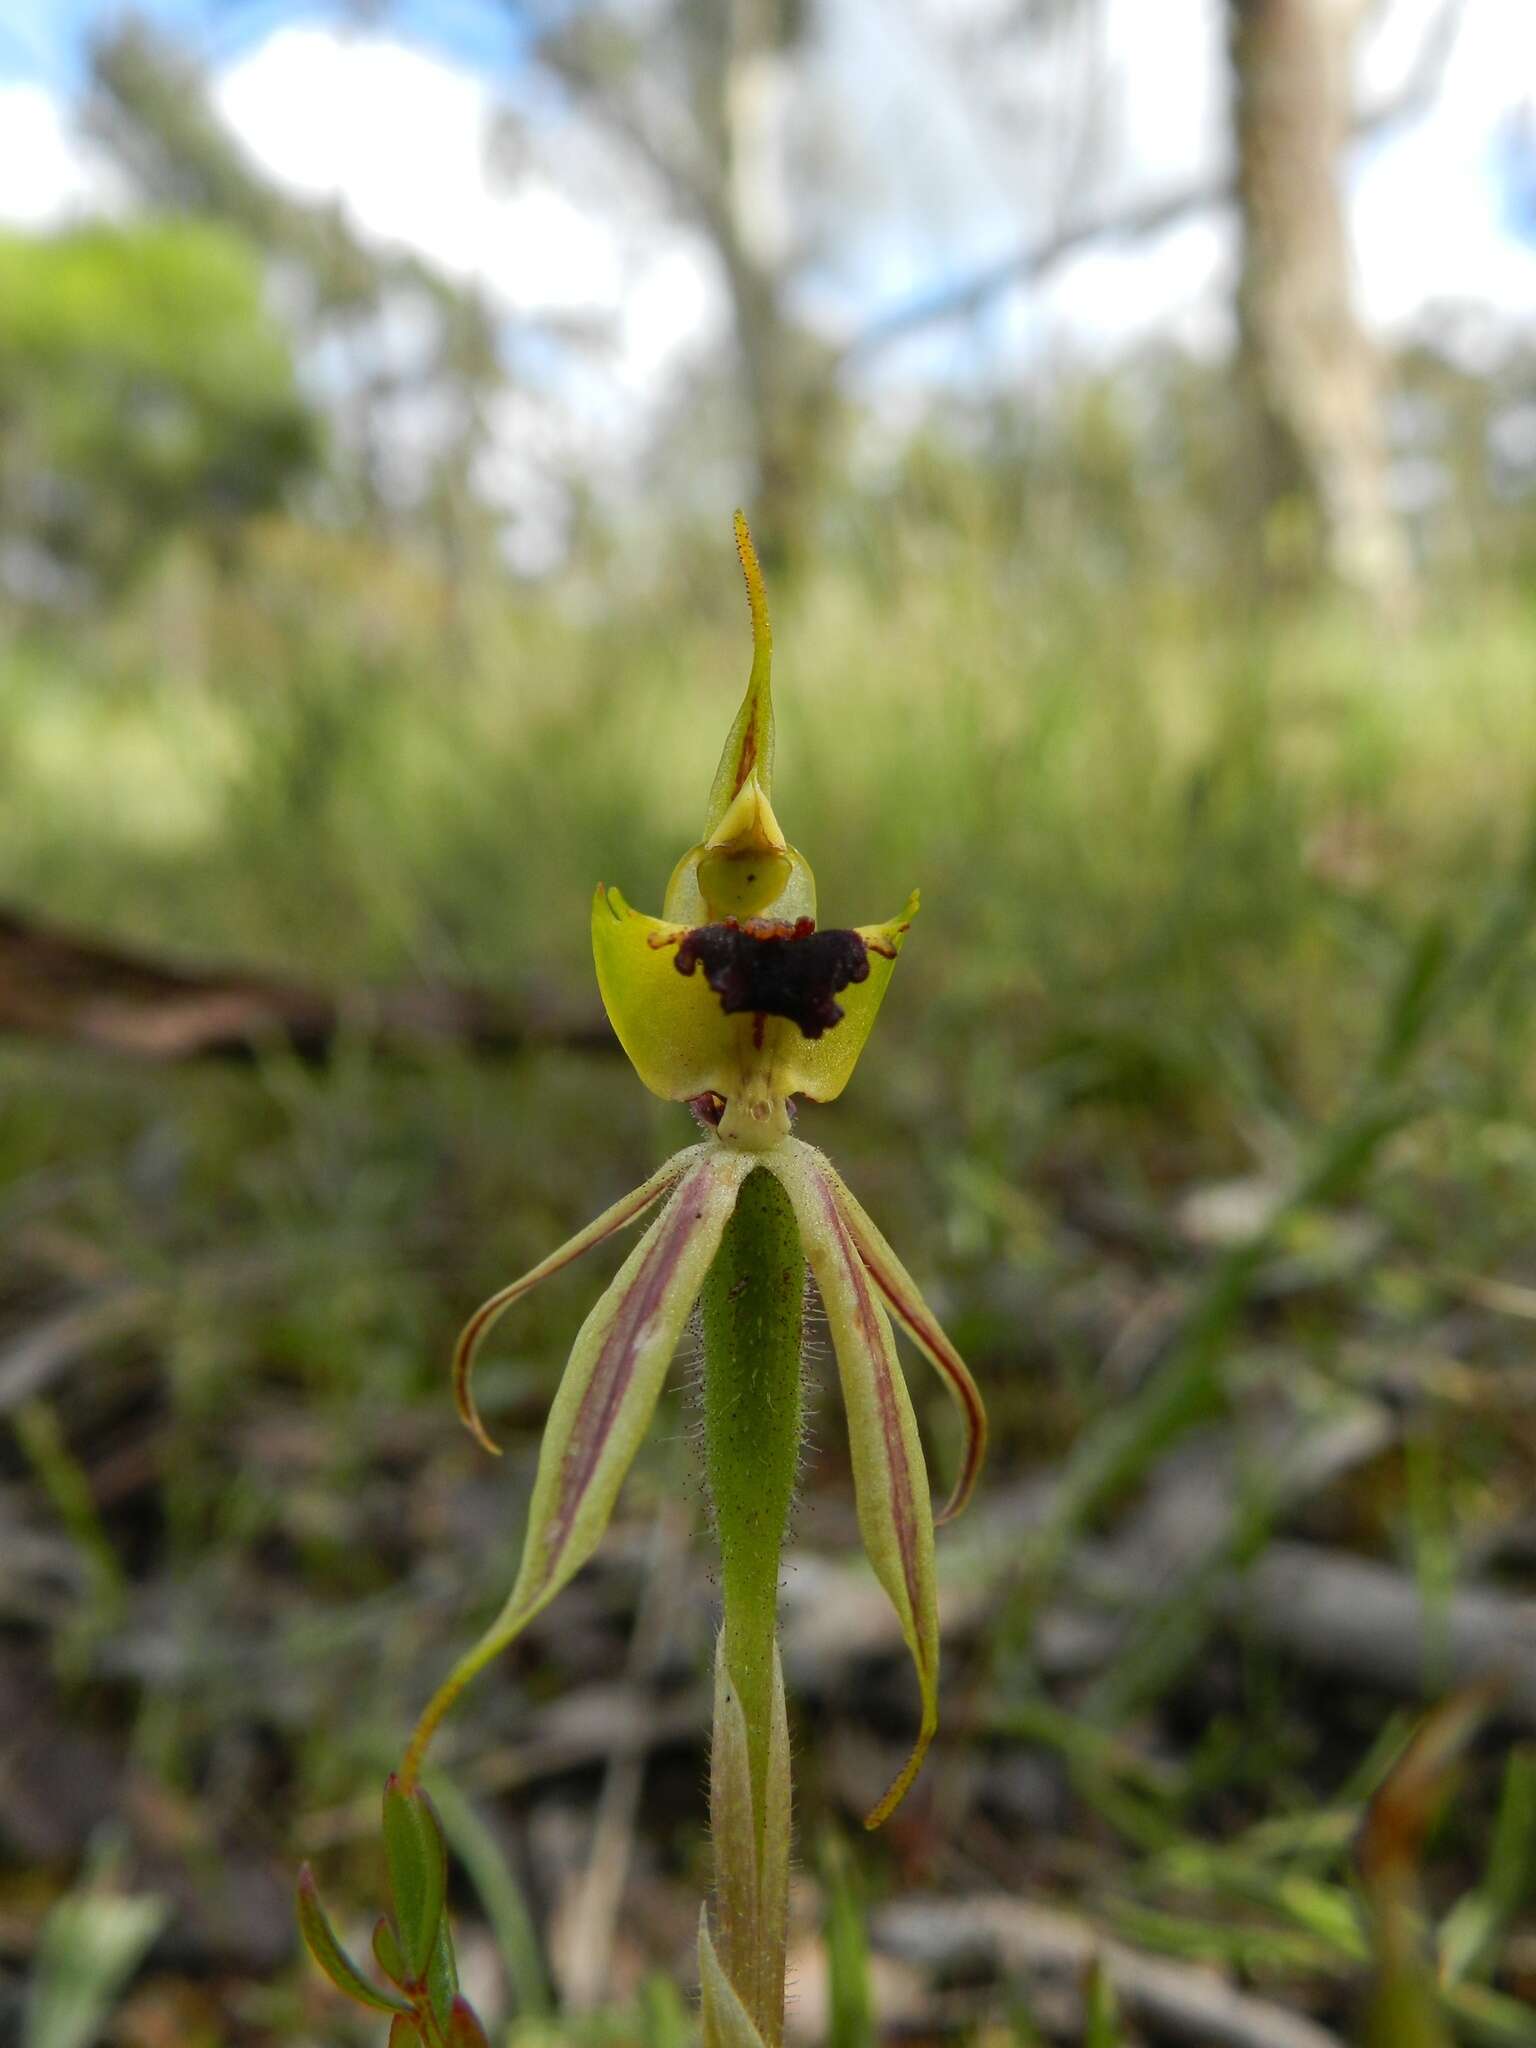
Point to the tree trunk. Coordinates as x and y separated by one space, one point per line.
786 385
1313 377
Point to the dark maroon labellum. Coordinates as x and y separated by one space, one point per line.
766 969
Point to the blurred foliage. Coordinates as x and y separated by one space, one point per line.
1187 875
410 358
1200 872
145 391
89 1946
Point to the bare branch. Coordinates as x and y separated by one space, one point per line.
1048 1948
1032 263
81 991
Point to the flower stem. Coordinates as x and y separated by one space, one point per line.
753 1316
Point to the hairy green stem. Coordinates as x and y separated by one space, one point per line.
753 1308
753 1316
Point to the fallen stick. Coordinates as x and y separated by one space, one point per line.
1189 2002
30 1361
77 990
1370 1622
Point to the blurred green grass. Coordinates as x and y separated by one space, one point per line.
1177 858
1194 812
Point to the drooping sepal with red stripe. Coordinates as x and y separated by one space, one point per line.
889 1477
902 1297
604 1404
482 1322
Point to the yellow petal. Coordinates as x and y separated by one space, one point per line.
678 1038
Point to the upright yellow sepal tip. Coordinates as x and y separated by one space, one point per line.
757 596
748 750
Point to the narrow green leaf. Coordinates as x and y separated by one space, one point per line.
1024 2032
1101 2009
1401 2011
1493 2019
773 1871
332 1958
88 1948
733 1834
724 2021
417 1858
1410 1010
1475 1926
852 2022
404 2034
664 2019
1403 2006
386 1952
477 1851
442 1974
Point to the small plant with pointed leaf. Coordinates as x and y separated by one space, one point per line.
1404 2008
412 1943
734 1001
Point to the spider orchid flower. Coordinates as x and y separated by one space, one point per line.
735 1001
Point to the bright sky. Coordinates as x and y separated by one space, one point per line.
400 127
